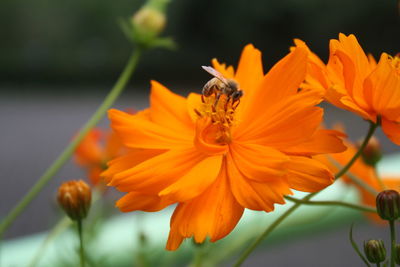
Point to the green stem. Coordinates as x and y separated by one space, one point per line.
81 250
393 242
355 247
362 184
267 231
355 179
59 228
371 130
69 150
281 218
332 203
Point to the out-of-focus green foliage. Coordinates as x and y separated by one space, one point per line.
74 41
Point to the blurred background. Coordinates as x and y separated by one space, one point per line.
58 59
78 43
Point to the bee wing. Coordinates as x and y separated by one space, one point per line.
215 73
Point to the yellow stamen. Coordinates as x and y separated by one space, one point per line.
221 109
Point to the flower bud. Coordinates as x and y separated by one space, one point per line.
372 153
388 204
375 251
74 197
149 21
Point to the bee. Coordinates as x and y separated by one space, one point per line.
220 85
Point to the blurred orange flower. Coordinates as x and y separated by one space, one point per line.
95 150
357 83
216 154
363 171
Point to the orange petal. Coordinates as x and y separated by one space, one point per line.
113 146
89 151
226 71
195 181
169 110
136 131
308 175
137 201
212 214
316 78
277 115
256 195
392 130
289 130
258 163
155 174
250 70
382 88
206 136
128 161
280 82
321 142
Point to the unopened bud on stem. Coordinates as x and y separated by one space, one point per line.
388 205
375 251
149 21
372 153
75 197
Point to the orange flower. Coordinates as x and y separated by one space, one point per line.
95 150
216 154
363 171
357 83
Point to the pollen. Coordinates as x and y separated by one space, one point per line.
220 108
396 62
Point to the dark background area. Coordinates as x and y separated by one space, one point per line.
78 43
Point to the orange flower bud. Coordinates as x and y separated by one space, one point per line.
372 153
75 197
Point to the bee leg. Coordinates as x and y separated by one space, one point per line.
202 99
217 99
237 104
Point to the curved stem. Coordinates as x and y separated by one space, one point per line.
270 228
371 131
69 150
393 242
81 250
332 203
281 218
59 228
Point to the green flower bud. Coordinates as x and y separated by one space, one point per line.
149 21
388 205
75 197
375 251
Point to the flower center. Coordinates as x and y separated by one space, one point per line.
396 62
219 107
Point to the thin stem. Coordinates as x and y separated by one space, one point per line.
371 131
69 150
362 184
355 247
332 203
379 179
59 228
81 249
393 243
356 180
286 214
270 228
